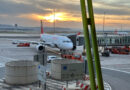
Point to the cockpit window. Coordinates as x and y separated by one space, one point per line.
66 41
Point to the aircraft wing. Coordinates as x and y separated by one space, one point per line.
39 44
26 41
34 42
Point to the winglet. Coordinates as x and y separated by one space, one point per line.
42 27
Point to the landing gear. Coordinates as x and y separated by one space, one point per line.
63 51
66 51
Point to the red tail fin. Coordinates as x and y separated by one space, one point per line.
78 33
42 27
115 31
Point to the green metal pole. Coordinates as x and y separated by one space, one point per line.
95 46
87 45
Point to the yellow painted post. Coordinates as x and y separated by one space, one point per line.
87 45
95 46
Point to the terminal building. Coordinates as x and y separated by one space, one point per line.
109 40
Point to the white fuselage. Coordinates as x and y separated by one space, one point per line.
61 42
122 33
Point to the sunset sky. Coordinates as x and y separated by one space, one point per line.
67 13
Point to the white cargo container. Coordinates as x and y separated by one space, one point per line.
67 70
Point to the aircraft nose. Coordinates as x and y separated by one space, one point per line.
67 46
70 46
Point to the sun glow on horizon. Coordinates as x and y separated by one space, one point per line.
53 17
60 16
63 17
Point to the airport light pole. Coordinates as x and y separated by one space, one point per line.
104 34
121 27
54 20
103 22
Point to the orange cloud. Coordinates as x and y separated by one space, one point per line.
111 20
59 16
30 16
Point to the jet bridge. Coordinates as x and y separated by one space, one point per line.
74 40
109 40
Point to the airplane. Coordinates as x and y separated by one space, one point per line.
120 33
55 41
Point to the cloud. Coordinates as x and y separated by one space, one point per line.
12 8
19 1
111 8
73 6
31 10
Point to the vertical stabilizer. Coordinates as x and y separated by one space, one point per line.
115 32
78 33
42 27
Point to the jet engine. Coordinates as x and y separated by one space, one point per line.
40 48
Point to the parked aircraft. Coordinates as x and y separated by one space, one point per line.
51 40
120 33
